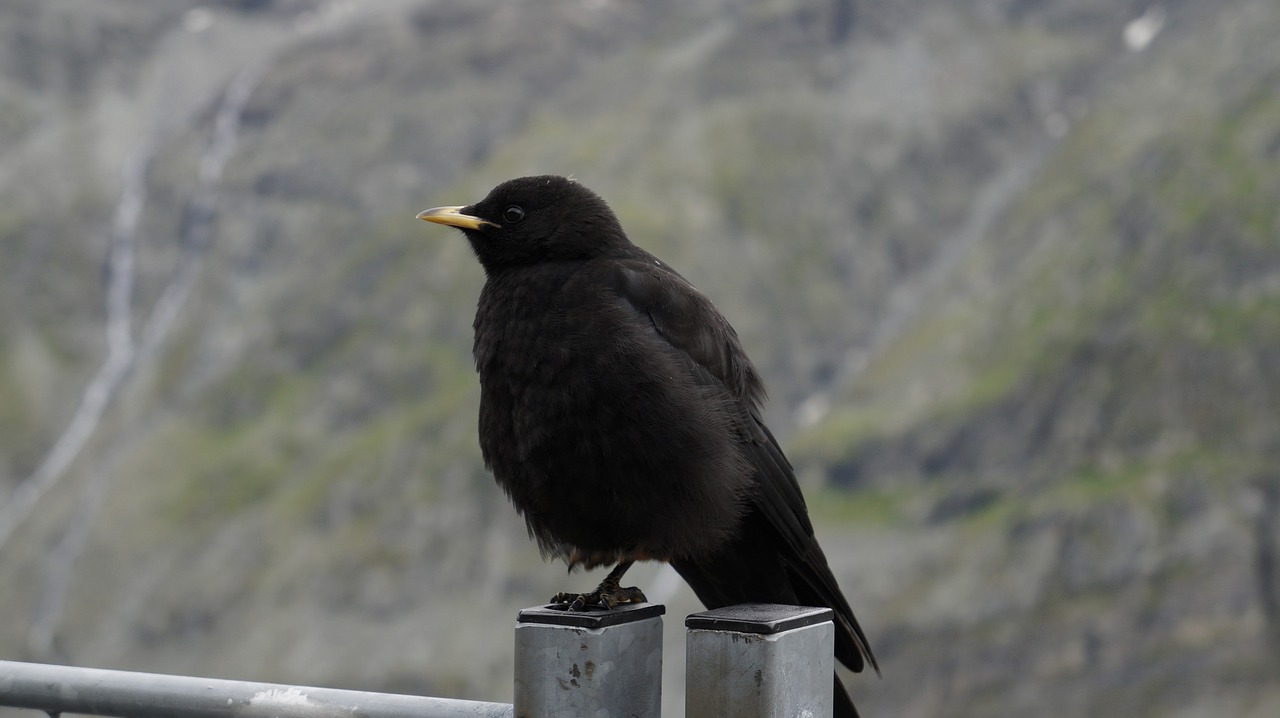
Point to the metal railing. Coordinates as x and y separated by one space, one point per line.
751 660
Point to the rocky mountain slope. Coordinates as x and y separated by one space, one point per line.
1012 271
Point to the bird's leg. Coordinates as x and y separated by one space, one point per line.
607 595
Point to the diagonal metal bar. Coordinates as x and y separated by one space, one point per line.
127 694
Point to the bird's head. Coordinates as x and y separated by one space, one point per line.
535 219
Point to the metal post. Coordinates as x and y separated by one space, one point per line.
604 664
759 660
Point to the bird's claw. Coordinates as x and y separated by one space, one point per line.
605 597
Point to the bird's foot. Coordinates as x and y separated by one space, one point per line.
606 597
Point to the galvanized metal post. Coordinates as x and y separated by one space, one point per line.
759 660
604 664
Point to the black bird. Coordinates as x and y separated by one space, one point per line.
621 415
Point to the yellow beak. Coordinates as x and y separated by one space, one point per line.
454 217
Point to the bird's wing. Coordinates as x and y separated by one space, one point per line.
710 350
690 323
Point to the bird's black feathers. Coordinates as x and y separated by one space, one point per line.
621 414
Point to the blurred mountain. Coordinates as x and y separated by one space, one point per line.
1011 269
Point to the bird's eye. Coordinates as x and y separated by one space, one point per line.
513 214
